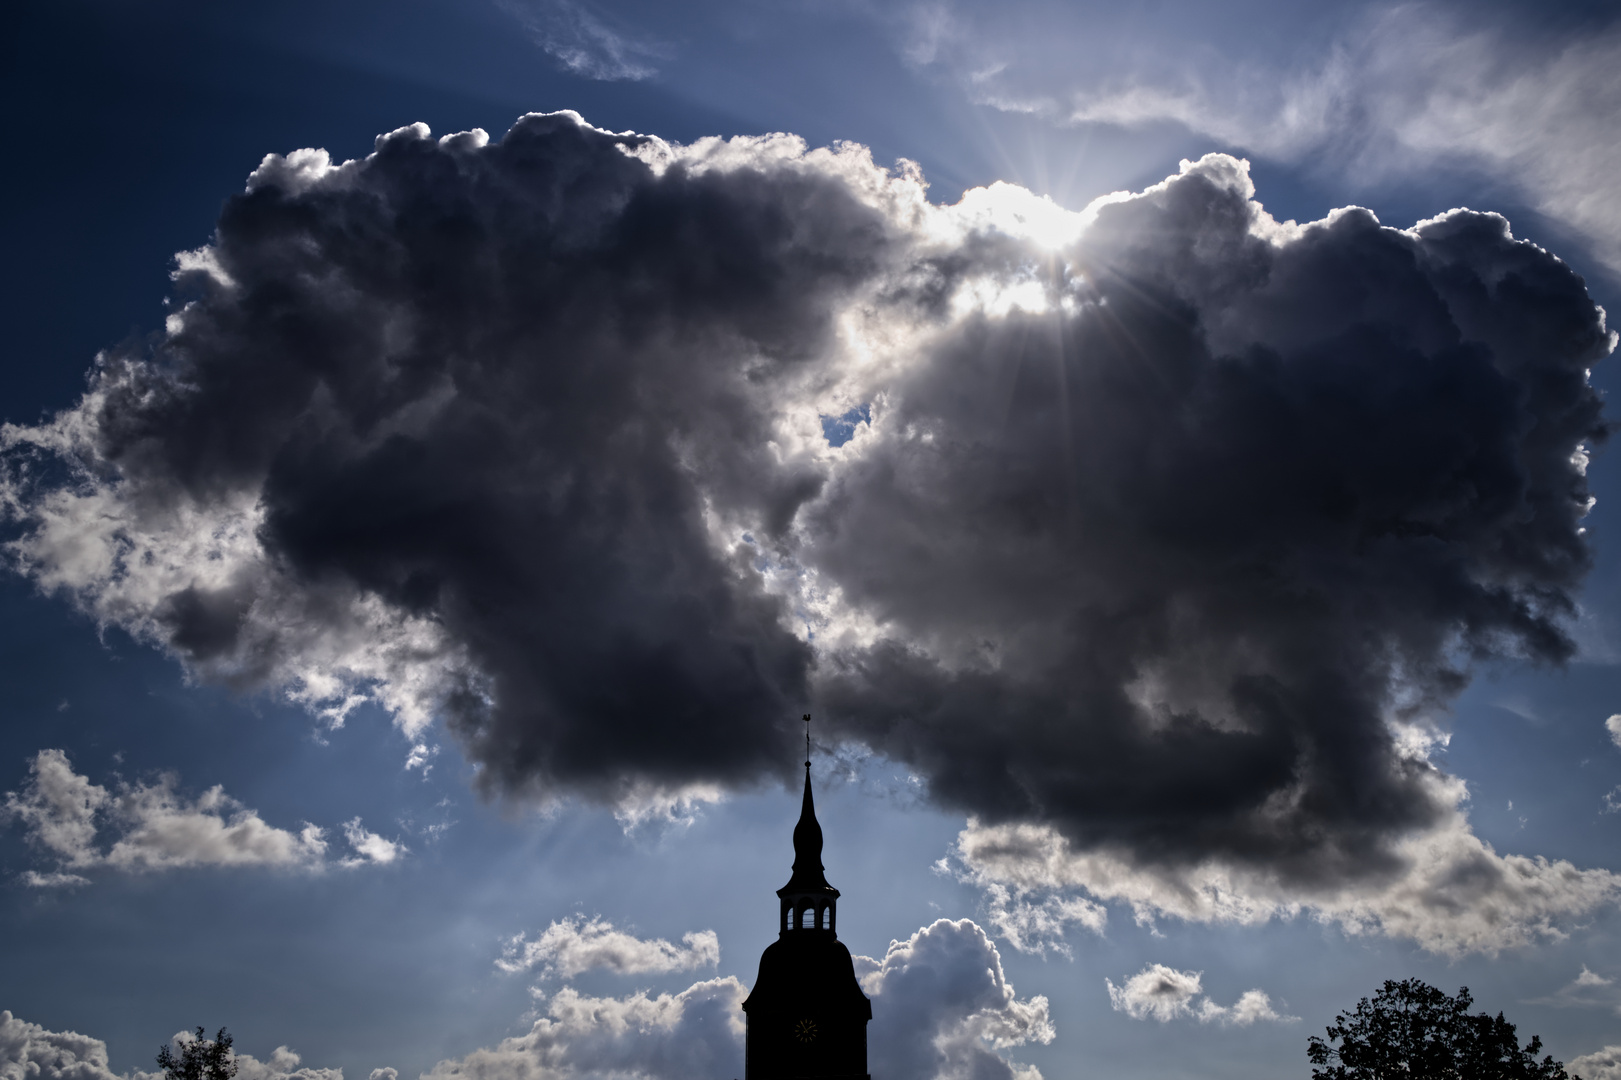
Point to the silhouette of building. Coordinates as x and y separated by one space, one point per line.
807 1016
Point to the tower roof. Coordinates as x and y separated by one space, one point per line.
808 876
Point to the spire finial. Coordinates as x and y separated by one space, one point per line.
807 740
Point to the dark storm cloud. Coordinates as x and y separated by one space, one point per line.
482 383
1191 547
1150 536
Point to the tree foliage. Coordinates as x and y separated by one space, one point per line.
1412 1031
200 1058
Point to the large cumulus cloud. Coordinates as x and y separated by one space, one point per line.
1166 525
948 1011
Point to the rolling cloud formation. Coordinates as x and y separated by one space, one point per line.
154 828
1163 525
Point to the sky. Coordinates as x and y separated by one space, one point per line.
448 447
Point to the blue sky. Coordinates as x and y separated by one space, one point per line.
405 642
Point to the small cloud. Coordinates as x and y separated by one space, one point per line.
434 831
1588 990
582 41
1613 726
1520 707
1252 1007
55 879
370 847
1156 993
421 757
1163 993
571 946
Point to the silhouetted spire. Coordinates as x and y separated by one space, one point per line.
807 875
808 841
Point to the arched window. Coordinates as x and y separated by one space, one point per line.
807 918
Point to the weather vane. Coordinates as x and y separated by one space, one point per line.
807 740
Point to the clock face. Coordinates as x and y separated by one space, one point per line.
805 1031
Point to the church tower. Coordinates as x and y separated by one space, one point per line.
807 1016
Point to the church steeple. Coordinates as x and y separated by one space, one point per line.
808 901
807 1016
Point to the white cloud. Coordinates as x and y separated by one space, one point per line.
58 807
1613 726
163 831
948 1008
1162 993
697 1032
1156 993
31 1052
641 803
1453 893
572 946
153 827
369 847
1252 1007
1602 1064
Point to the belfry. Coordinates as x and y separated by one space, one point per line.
807 1016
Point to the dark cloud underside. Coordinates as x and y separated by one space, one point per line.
1151 537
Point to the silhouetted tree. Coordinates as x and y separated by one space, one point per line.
1411 1030
200 1058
